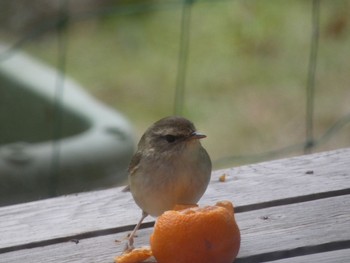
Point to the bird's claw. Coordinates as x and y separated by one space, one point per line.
129 246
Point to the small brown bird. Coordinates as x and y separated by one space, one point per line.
170 167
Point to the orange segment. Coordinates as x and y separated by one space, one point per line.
135 256
197 235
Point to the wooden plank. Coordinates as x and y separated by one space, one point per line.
305 177
269 233
249 187
281 231
338 256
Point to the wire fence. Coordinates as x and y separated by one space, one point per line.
62 23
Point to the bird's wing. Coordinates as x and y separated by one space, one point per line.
126 189
134 163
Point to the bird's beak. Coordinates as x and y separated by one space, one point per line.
197 135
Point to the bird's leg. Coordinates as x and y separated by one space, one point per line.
130 244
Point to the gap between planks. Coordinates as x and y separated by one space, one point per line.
296 252
238 209
269 234
256 186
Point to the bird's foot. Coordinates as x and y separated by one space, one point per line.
129 246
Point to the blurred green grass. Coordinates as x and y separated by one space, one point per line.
246 69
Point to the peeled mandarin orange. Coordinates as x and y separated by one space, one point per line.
182 207
198 235
135 256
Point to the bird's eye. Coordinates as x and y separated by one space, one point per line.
170 138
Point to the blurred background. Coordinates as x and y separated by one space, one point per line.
263 79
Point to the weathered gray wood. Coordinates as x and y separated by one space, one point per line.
246 185
286 178
337 256
285 228
267 231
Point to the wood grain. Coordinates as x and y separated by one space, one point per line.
267 189
267 234
337 256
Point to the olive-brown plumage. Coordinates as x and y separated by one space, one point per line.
170 167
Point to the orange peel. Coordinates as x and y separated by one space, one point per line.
136 255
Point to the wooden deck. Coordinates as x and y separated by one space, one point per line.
290 210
